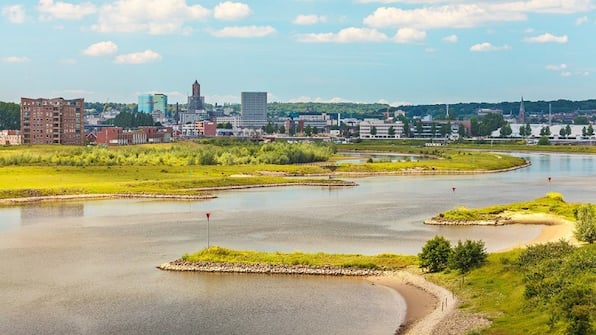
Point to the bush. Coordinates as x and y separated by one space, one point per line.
468 255
435 254
585 225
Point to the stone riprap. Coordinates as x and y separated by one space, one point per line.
181 265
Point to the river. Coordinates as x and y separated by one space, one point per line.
89 267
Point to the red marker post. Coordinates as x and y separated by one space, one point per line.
208 215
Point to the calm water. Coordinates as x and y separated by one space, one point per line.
89 267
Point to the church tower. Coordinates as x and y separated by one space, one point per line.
521 117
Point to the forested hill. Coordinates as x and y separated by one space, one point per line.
458 111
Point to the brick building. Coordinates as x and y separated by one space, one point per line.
52 121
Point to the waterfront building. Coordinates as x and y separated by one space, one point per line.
379 129
145 104
160 102
52 121
253 109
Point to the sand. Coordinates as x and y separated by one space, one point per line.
432 309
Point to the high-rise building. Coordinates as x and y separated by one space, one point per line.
160 102
196 101
52 121
253 109
145 103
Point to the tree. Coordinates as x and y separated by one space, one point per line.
433 129
461 131
522 131
373 130
590 131
581 119
10 115
545 131
308 130
435 253
567 130
562 132
419 128
468 255
584 132
391 131
528 130
282 129
585 225
543 140
505 130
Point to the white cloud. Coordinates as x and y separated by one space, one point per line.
63 10
467 14
487 47
155 17
231 11
395 103
409 35
15 59
101 49
244 32
565 74
346 35
581 20
556 67
305 20
146 56
451 39
319 99
547 38
449 16
78 92
15 13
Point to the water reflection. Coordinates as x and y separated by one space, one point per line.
34 213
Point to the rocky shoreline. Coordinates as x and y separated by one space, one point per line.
220 267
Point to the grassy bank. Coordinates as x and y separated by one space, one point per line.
382 261
184 168
552 204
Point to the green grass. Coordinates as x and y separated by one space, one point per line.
552 203
382 261
497 291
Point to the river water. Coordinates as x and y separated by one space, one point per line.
89 267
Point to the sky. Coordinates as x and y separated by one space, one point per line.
390 51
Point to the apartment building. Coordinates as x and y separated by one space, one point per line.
52 121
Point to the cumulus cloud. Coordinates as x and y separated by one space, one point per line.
16 59
451 39
565 74
547 38
146 56
50 10
556 67
449 16
14 14
322 100
409 35
487 47
467 14
244 32
101 49
155 17
231 11
346 35
581 20
305 20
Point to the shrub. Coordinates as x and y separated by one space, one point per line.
585 225
435 254
468 255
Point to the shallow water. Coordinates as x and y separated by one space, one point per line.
89 267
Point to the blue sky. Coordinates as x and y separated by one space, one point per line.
391 51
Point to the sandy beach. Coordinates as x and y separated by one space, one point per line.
432 309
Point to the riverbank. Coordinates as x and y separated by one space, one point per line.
428 305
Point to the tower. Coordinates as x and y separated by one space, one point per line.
521 117
196 89
195 101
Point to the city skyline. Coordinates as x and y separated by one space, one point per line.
388 51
